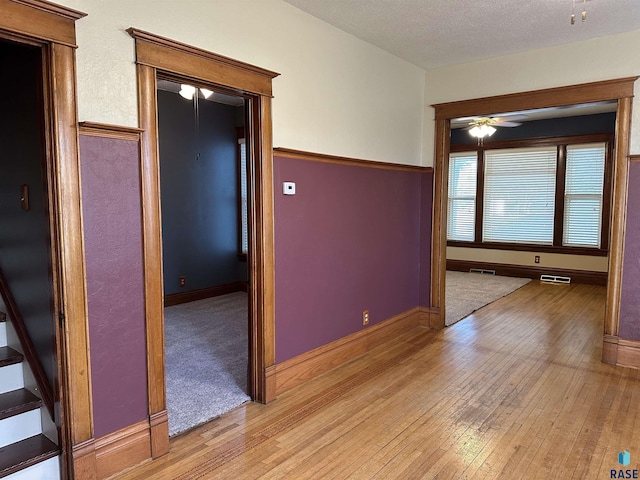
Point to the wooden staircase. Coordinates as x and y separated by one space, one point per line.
25 452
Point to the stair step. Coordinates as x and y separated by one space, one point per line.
17 402
28 452
20 427
11 378
8 356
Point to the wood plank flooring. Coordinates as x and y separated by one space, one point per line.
517 390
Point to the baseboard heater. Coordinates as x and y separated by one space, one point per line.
554 279
482 270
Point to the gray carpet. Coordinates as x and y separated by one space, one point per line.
206 356
467 292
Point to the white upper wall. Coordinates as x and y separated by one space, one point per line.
336 94
599 59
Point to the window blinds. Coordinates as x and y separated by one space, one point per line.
519 195
243 196
462 196
583 195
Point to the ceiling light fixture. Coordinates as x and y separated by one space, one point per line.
187 91
206 93
482 130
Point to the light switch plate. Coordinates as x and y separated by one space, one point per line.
289 188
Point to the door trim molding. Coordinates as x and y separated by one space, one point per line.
52 27
158 55
621 90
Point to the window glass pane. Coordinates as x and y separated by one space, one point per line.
583 195
462 196
243 196
519 195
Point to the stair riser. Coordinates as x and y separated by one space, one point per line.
47 470
19 427
11 378
3 334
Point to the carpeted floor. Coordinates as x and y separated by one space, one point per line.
467 292
206 355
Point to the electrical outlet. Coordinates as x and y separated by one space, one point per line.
365 317
182 281
537 259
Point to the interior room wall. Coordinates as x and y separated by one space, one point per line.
593 60
199 193
349 240
335 94
25 257
630 300
112 221
552 127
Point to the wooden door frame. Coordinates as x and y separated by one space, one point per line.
158 55
620 90
52 27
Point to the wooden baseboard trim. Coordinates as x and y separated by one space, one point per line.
628 353
610 349
577 276
159 426
270 384
202 293
429 317
84 460
617 351
122 449
309 365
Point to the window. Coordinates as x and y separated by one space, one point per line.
583 195
243 204
519 195
550 196
462 196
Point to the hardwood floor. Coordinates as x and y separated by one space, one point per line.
517 390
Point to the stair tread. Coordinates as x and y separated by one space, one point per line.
8 356
20 455
17 402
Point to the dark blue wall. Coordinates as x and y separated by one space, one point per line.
554 127
199 193
24 235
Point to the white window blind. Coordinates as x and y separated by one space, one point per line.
519 195
461 214
584 183
243 197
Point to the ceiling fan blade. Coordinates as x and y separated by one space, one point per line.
508 124
510 118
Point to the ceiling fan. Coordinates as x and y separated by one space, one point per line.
481 127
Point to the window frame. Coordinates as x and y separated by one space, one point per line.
241 138
560 143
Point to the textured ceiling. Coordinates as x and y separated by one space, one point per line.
434 33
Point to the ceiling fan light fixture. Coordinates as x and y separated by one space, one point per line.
481 131
187 91
206 93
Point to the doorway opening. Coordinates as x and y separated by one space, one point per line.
202 140
29 286
617 90
532 198
161 57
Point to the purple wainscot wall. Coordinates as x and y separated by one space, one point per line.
630 299
113 249
348 240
